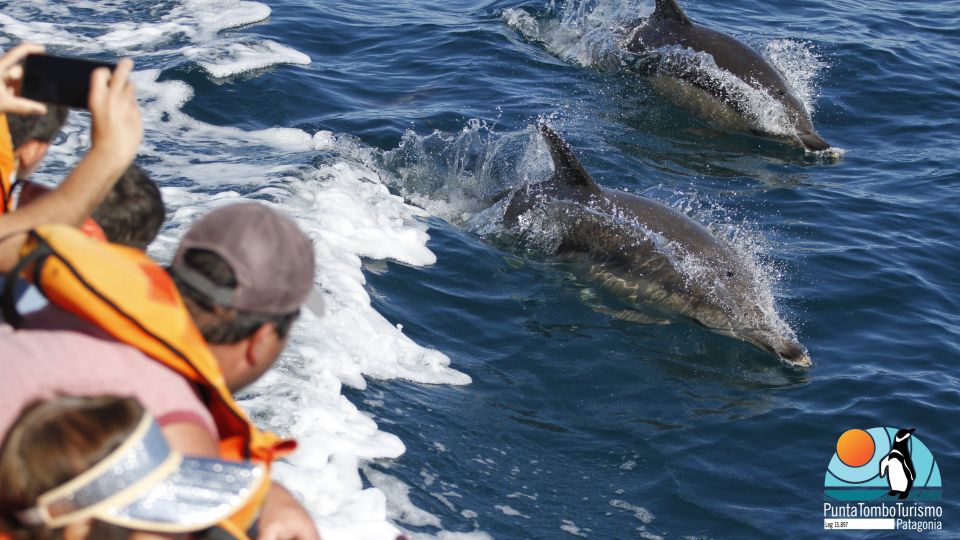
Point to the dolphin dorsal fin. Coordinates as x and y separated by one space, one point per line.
567 169
669 10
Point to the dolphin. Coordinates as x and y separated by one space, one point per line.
648 253
702 90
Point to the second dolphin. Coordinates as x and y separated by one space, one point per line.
648 253
654 48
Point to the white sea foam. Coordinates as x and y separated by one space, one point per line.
570 527
212 16
641 513
402 511
341 203
509 511
241 57
201 23
400 508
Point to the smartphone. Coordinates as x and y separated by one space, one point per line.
59 80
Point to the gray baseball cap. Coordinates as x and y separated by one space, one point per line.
270 256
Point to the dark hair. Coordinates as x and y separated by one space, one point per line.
53 442
219 324
132 212
40 127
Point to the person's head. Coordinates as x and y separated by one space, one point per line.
32 134
51 443
99 467
244 271
132 212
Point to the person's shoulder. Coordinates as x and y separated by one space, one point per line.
52 318
57 334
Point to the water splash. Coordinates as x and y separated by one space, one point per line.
457 176
586 33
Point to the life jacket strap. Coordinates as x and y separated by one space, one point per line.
8 301
8 197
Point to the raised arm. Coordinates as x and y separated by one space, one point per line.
115 136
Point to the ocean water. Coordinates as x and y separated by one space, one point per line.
462 386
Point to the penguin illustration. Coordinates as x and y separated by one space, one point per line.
897 465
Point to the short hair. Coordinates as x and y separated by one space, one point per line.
51 443
39 127
222 325
132 212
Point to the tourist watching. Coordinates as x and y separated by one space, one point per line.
130 215
115 136
99 468
132 212
31 135
243 271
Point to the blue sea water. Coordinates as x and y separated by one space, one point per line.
577 423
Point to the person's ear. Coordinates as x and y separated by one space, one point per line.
78 530
262 344
30 154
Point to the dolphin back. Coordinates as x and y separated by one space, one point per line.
646 252
669 28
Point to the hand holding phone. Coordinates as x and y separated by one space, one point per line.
59 80
11 76
116 127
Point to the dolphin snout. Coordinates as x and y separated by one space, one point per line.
794 354
786 348
812 141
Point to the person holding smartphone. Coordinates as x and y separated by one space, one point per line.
116 133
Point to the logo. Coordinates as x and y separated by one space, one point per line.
882 478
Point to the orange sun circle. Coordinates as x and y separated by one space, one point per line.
855 448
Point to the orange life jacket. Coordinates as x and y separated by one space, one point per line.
122 291
8 165
32 190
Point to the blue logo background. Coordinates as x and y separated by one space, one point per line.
845 483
